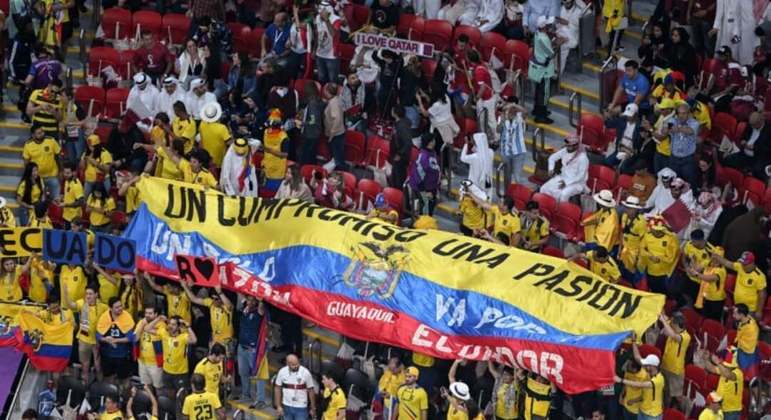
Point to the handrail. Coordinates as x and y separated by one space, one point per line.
446 166
575 98
82 49
500 179
315 368
604 100
16 394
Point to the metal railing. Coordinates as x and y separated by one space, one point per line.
607 67
82 55
314 357
575 108
499 179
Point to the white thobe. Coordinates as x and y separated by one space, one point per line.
470 12
574 174
734 19
537 8
569 31
232 167
166 101
195 103
480 163
492 13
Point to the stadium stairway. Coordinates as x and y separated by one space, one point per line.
14 132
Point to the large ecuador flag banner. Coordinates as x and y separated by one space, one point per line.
47 346
434 292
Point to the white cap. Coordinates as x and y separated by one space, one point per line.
197 83
460 391
650 360
630 110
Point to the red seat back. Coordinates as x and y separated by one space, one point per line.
520 52
90 98
241 34
472 32
115 102
356 15
147 20
492 42
754 190
724 124
116 23
394 198
437 32
307 172
355 147
100 58
567 219
378 151
368 190
547 204
520 194
175 27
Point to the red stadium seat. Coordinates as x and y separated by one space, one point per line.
520 52
472 32
116 23
552 252
734 176
754 190
711 68
568 220
356 15
307 172
428 68
593 133
104 133
468 126
395 198
623 185
91 99
695 381
437 32
368 190
355 147
100 58
492 42
410 26
646 349
119 219
714 331
767 201
520 193
547 205
148 20
673 414
378 151
241 34
115 102
175 27
346 51
56 213
349 180
254 41
5 6
601 178
724 124
126 67
299 86
692 320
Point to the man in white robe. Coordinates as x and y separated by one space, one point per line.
471 10
568 28
198 97
574 173
143 100
490 15
239 174
735 27
536 8
171 92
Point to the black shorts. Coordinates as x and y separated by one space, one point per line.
172 381
122 367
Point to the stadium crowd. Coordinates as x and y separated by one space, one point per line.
664 191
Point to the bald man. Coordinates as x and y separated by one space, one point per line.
294 391
754 148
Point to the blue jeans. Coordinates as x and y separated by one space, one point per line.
660 162
295 413
22 216
89 186
329 69
53 187
412 115
642 416
246 360
733 415
684 167
74 148
337 144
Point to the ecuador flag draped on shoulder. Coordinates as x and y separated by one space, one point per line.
435 292
47 346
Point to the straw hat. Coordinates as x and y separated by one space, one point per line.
605 198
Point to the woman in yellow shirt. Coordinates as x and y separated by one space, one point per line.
100 205
10 272
30 192
95 164
473 217
602 226
41 278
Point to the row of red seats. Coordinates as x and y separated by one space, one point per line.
110 103
119 23
362 191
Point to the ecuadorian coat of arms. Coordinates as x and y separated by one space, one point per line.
375 270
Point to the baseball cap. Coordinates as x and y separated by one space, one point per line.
412 370
650 360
